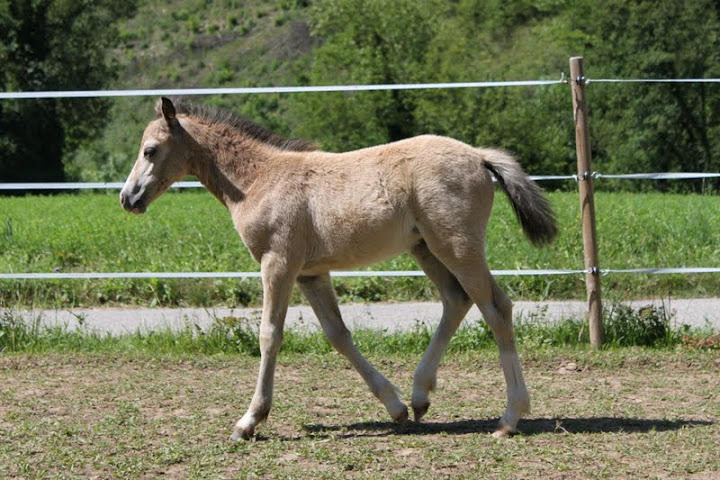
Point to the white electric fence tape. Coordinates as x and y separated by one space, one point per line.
363 273
651 80
255 90
325 88
658 176
663 271
81 185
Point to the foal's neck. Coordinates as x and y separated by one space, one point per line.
225 161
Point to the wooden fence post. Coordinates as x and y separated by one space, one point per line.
587 201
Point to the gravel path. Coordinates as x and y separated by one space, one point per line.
390 316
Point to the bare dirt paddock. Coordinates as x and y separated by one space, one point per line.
616 414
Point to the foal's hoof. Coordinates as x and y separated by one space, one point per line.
420 411
402 417
241 434
504 430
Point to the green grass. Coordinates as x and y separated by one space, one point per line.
191 231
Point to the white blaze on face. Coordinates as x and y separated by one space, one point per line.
139 187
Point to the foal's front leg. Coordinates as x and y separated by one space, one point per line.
277 286
319 292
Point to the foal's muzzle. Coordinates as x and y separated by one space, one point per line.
132 204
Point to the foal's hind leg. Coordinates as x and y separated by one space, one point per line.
319 292
496 309
466 261
456 304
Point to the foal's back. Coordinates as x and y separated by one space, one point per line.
366 205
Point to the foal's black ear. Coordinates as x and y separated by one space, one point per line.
168 111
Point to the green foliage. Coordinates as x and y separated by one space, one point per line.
53 45
647 326
657 127
374 42
196 44
234 334
635 128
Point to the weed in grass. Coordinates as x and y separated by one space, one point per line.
701 342
237 334
8 232
10 329
472 338
552 334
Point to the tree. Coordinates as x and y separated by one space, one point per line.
659 127
372 42
470 40
640 127
52 45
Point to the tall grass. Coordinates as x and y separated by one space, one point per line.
191 231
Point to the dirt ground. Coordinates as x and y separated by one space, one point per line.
629 414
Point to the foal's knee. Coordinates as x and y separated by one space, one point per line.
270 339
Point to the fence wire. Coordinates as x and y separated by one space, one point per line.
537 178
333 88
157 92
651 80
339 274
169 92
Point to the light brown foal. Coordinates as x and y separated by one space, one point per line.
303 213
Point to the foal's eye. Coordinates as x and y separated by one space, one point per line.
150 151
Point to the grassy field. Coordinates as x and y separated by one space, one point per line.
629 413
191 231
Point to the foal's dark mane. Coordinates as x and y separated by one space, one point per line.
222 116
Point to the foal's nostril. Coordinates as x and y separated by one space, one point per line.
133 206
125 201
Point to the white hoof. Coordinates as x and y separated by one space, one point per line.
503 430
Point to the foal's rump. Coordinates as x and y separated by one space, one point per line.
452 185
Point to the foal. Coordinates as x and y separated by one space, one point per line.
303 212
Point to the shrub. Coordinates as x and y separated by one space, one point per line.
648 326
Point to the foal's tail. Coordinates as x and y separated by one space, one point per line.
533 210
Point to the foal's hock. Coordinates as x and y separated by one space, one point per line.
303 212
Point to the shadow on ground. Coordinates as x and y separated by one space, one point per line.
531 426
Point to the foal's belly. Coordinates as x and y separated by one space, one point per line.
362 248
